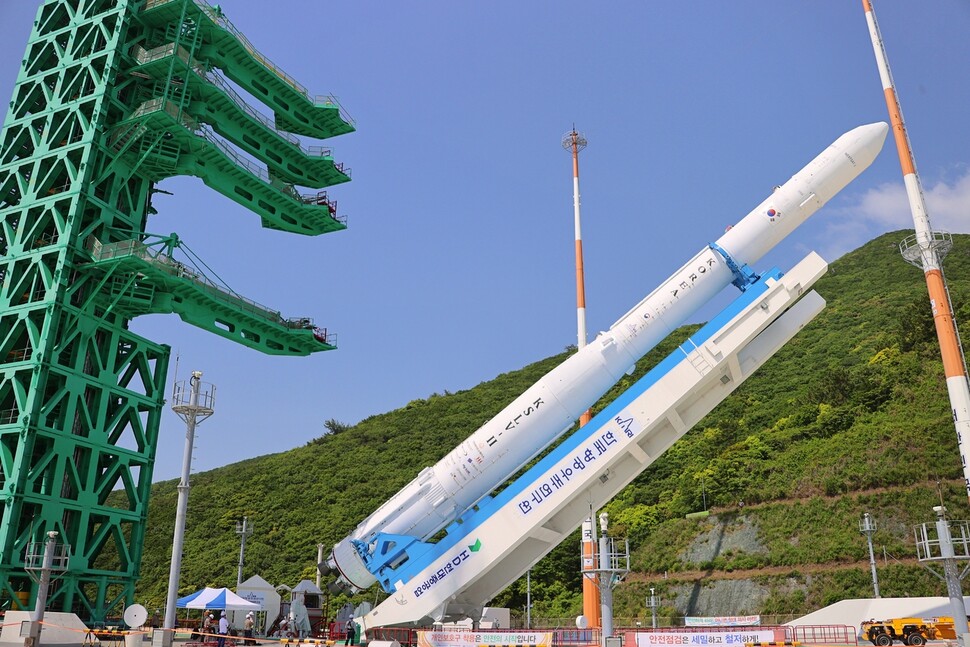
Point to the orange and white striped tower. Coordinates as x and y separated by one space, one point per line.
926 250
575 142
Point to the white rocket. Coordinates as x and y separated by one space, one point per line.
442 493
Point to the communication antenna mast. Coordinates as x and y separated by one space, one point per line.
193 405
926 250
945 542
575 142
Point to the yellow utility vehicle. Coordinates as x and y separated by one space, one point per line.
909 631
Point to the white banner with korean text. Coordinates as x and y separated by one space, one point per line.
704 638
477 638
722 621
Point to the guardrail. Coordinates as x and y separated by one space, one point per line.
217 79
826 634
220 19
177 269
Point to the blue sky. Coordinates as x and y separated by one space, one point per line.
458 261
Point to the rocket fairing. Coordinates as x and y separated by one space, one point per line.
442 493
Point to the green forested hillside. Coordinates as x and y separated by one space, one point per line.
851 416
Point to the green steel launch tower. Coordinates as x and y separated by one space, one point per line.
112 97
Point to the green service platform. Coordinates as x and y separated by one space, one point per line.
112 97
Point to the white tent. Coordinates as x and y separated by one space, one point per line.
854 612
209 598
306 586
258 590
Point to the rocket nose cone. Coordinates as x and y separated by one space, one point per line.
875 132
867 141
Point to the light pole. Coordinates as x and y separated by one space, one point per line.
614 565
193 405
867 527
53 558
320 549
243 530
528 599
575 142
652 603
606 590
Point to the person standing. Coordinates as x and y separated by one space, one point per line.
351 631
223 630
248 628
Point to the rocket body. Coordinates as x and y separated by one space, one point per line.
442 493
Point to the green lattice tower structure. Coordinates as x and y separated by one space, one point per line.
112 97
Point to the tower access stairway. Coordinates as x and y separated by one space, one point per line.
142 277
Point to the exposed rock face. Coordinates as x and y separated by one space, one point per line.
736 535
721 598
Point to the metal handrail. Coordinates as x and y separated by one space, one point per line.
318 151
312 151
330 100
939 239
165 105
138 249
217 17
144 56
261 172
20 354
207 133
218 80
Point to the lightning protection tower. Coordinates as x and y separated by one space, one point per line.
574 143
926 250
113 96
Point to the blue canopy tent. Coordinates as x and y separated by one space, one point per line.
209 598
